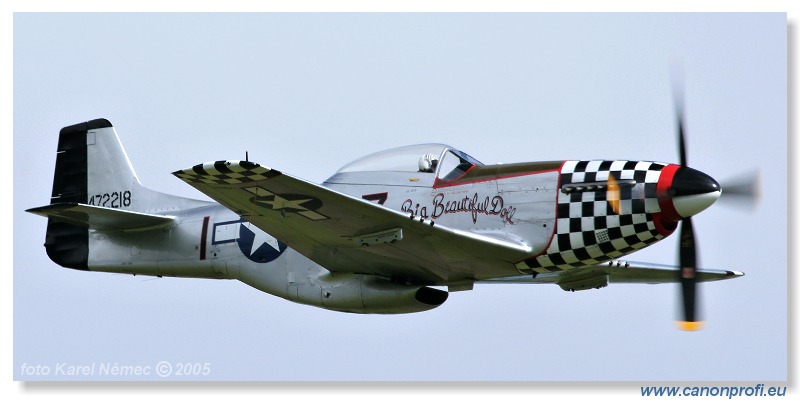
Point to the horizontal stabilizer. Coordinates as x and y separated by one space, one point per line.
101 218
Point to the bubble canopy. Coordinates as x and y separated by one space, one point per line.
405 159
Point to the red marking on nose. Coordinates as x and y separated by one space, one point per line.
667 220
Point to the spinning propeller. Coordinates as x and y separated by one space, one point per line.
691 192
687 249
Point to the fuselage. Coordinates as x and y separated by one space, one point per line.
519 219
571 214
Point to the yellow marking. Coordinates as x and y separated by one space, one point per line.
413 179
689 326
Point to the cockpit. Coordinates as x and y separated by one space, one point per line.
444 161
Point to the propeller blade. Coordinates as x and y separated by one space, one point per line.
687 249
681 139
677 97
742 191
687 255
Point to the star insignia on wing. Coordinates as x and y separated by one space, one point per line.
303 205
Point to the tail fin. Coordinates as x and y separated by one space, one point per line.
93 169
108 170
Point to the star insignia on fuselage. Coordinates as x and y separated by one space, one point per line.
257 245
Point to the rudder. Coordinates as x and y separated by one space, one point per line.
93 169
67 244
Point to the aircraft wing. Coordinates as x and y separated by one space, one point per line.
616 272
347 234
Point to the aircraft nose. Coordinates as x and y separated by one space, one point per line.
693 191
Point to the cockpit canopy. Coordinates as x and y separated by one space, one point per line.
447 162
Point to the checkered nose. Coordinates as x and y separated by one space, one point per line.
692 191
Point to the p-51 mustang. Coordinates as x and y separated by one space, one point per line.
384 230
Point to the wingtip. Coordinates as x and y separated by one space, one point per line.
226 172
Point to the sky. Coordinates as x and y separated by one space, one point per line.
308 93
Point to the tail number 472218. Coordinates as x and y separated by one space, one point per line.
113 199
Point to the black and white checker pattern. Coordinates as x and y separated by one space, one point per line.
226 173
588 231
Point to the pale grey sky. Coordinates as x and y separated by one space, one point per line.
308 93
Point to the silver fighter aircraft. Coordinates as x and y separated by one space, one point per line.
392 232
